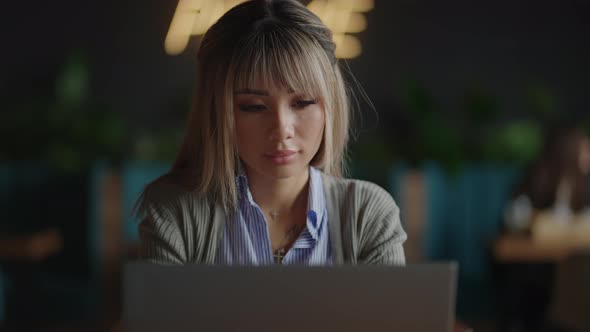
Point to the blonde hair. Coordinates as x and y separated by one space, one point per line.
273 42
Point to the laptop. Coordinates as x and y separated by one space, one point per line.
414 298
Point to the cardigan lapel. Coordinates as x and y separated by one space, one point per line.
216 232
334 218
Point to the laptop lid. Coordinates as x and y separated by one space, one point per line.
289 298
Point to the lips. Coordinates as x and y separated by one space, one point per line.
281 157
281 153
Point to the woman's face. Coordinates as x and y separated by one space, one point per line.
584 158
278 131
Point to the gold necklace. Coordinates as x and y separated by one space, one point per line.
281 252
274 214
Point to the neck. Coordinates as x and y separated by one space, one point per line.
279 195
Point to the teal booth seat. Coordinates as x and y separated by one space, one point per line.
134 177
463 217
36 197
2 295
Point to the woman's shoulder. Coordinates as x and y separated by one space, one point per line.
368 219
359 192
173 221
165 193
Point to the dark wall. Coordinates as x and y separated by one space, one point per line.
504 47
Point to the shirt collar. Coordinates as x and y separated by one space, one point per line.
316 203
243 187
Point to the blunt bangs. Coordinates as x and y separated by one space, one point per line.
283 58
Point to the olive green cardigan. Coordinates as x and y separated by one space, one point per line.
178 227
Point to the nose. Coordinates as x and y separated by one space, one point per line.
282 124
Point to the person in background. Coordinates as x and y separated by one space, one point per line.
557 182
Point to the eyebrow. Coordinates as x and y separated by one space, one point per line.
257 92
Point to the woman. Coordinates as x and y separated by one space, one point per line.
557 181
258 177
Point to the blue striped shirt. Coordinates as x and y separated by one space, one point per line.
246 239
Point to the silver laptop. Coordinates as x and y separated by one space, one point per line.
415 298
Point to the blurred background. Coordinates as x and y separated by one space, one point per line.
459 101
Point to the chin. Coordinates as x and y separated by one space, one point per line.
282 171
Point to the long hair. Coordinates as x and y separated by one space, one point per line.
558 160
275 42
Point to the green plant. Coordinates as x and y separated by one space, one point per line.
68 130
479 130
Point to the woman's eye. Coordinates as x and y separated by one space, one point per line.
252 108
300 104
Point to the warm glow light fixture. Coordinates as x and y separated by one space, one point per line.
193 17
343 17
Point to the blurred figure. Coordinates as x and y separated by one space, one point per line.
557 182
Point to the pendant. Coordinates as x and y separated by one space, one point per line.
279 256
274 214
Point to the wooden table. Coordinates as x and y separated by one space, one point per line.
517 248
564 246
551 240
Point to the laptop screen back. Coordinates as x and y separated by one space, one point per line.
289 298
